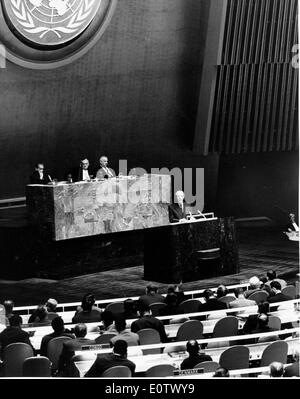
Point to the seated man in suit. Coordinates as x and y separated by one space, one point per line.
108 360
13 334
83 172
211 303
278 295
39 176
177 211
195 357
104 172
131 338
151 296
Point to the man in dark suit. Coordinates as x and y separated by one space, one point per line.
211 303
192 348
151 296
13 333
278 295
177 211
83 172
72 345
148 321
39 176
106 361
104 172
58 331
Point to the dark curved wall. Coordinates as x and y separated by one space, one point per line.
133 96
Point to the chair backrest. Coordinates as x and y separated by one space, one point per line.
179 320
117 371
13 358
290 291
149 336
104 338
275 352
37 367
227 300
161 370
192 329
88 355
208 367
54 350
115 307
52 315
259 296
234 358
156 307
189 306
274 323
226 327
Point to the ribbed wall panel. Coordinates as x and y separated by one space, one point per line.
256 103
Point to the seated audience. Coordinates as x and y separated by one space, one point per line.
58 331
131 338
292 370
276 369
130 309
13 333
211 303
39 316
195 357
151 296
221 372
171 307
72 345
255 285
277 296
251 323
177 290
272 276
146 320
107 318
9 307
241 301
88 312
262 327
108 360
222 291
51 305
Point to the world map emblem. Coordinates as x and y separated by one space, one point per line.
45 34
51 22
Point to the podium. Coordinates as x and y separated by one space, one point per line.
191 251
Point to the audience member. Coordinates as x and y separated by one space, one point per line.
192 347
59 331
146 320
211 303
292 370
263 286
272 276
262 327
276 369
9 307
40 316
222 291
251 323
107 318
70 346
240 300
51 305
131 338
130 309
151 296
221 372
278 295
177 289
88 312
106 361
13 333
255 284
171 307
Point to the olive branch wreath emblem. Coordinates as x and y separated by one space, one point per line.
25 19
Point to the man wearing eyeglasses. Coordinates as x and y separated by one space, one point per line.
39 176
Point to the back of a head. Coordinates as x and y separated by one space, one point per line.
221 372
192 347
276 285
271 274
41 312
9 306
221 291
80 330
58 324
120 323
107 317
120 347
15 320
254 282
171 289
239 291
151 289
208 294
51 304
276 369
87 302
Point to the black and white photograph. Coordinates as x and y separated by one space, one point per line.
149 194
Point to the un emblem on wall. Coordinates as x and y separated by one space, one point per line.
50 33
